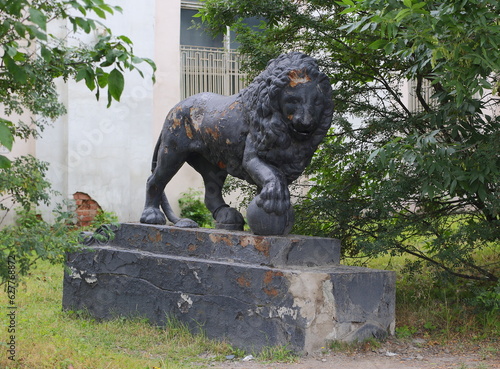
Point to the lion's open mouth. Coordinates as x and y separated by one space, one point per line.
301 132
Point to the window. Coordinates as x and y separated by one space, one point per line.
208 64
414 104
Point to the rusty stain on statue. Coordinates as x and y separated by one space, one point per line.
297 77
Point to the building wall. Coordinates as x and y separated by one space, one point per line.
106 152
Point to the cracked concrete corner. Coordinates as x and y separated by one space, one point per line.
312 294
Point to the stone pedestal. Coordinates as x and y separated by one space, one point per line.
254 291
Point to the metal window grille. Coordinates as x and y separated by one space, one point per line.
414 104
190 4
205 69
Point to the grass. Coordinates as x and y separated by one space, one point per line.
434 307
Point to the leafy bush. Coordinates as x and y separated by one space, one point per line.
32 239
488 299
32 59
104 217
23 184
192 207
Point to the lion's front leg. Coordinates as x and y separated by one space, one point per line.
270 212
274 196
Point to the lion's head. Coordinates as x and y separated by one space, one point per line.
289 108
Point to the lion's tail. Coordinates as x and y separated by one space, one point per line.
165 205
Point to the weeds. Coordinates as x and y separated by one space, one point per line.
431 305
369 344
280 354
406 331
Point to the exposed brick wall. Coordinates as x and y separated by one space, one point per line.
86 208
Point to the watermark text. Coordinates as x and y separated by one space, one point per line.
11 308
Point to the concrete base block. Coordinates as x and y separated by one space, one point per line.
200 277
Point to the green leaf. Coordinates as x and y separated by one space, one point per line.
87 74
100 13
389 47
81 74
125 39
6 137
102 78
17 72
379 44
348 10
35 32
4 162
419 6
151 63
116 83
11 50
407 3
85 24
20 29
373 154
107 8
89 79
402 14
46 54
481 191
37 17
136 60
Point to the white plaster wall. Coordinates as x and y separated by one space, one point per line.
106 152
109 148
167 89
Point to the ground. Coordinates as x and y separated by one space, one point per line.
414 353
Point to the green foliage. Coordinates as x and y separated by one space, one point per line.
390 179
33 57
280 354
32 239
488 300
23 184
456 41
104 217
192 207
405 331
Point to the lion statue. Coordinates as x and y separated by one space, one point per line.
266 135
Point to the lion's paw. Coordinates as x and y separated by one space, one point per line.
229 219
186 223
153 216
274 199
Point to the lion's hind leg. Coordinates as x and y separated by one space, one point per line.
168 165
213 178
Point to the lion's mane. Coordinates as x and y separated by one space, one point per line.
270 132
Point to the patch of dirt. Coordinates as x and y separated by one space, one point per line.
392 354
